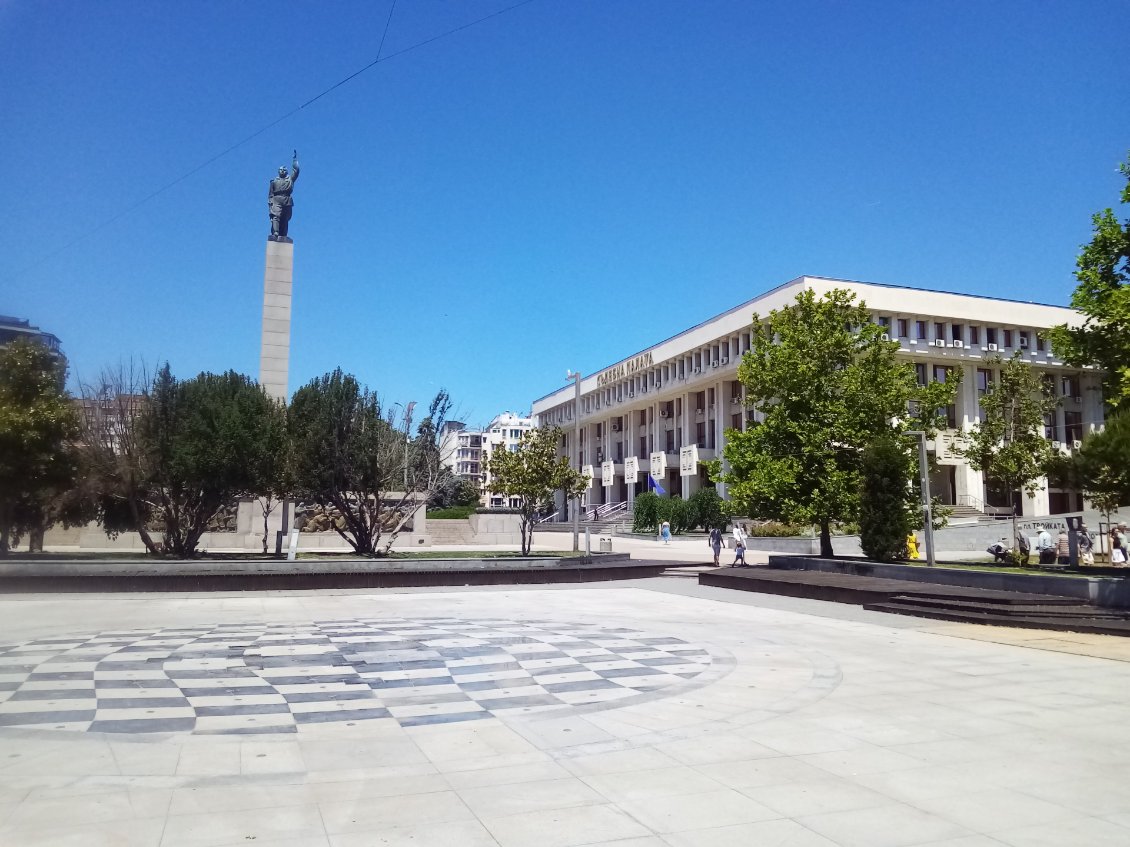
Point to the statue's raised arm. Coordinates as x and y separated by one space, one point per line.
294 167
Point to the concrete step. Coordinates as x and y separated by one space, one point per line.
1095 626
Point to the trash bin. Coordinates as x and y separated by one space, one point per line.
606 545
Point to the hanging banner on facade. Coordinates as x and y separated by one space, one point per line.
631 470
587 470
688 460
607 473
658 465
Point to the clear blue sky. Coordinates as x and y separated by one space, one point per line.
557 187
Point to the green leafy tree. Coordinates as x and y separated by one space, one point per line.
533 473
171 453
1099 467
645 512
1008 444
1103 296
350 454
888 502
38 429
708 510
827 385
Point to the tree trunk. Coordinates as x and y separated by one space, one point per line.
826 540
35 540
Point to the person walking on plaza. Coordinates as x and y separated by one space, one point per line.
665 532
1044 547
1086 546
739 547
714 540
1063 548
1024 548
1118 544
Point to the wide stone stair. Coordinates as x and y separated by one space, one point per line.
927 600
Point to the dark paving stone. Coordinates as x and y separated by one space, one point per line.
430 720
50 676
143 703
236 710
23 718
141 725
233 691
54 694
488 684
579 685
323 696
340 715
519 701
471 670
612 673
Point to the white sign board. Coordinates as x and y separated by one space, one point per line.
607 473
292 549
658 465
688 461
587 470
631 469
946 447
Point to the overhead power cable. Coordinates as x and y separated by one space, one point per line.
376 61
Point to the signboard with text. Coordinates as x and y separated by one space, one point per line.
587 470
688 460
607 473
631 469
658 465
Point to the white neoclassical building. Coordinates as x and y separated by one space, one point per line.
666 408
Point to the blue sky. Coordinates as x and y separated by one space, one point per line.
557 187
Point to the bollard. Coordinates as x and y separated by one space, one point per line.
588 541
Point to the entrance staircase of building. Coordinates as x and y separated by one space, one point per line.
926 600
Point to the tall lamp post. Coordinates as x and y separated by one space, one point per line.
927 506
407 428
576 377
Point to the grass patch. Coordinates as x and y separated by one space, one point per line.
452 513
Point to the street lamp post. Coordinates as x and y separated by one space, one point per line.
576 377
407 428
927 506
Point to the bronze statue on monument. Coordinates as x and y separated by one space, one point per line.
279 202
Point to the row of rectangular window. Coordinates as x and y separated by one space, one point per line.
957 332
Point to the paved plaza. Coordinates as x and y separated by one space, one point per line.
651 713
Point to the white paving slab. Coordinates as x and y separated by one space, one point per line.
647 714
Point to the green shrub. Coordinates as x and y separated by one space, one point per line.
884 516
772 529
645 514
709 510
452 513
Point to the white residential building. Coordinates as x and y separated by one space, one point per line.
666 408
461 450
502 433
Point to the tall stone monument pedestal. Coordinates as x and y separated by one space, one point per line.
274 358
274 350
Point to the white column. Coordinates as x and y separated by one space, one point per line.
274 348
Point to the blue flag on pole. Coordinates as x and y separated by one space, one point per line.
654 485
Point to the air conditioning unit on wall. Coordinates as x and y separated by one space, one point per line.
958 343
615 427
939 342
992 348
885 336
1023 342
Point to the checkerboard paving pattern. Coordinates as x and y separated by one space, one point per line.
268 678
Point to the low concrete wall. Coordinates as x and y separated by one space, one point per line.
496 529
1108 593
